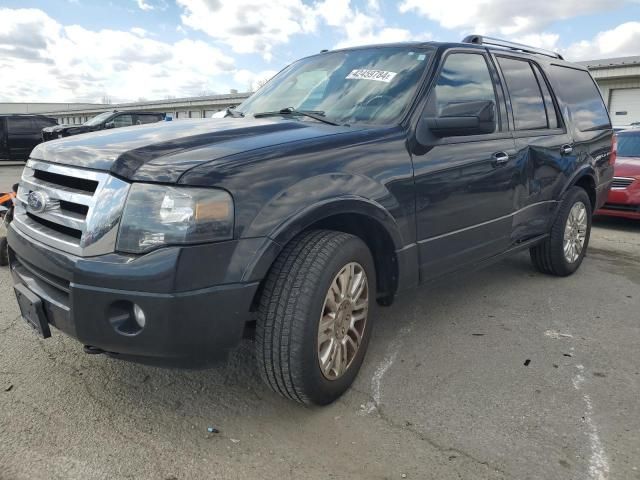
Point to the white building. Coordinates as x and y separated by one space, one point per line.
619 80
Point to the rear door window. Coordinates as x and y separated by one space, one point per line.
20 125
579 92
528 105
552 112
123 121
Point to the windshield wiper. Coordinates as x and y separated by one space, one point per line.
230 112
316 115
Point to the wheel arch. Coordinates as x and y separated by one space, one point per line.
358 216
585 179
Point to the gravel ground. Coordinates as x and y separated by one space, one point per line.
498 373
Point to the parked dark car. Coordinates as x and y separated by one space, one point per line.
102 121
20 133
351 176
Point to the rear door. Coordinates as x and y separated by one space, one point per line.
464 184
544 145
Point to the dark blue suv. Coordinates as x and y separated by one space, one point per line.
349 177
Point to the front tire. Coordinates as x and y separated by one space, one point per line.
314 318
563 251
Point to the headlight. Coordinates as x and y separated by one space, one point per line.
159 215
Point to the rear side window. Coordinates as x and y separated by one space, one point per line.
577 89
19 125
526 97
123 121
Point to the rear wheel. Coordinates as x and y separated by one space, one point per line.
563 251
314 320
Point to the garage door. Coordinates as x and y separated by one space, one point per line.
625 106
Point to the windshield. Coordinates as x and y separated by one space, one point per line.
629 144
370 85
98 119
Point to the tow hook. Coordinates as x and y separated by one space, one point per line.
91 350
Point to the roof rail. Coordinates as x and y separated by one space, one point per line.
482 40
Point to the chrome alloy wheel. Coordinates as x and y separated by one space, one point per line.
343 320
575 232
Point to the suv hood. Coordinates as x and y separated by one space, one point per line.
627 167
163 151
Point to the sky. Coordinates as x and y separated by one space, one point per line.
129 50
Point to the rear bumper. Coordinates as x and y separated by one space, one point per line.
86 297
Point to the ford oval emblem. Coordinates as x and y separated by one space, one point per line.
37 201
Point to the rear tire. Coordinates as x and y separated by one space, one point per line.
563 251
305 315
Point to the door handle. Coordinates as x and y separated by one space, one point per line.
500 158
566 149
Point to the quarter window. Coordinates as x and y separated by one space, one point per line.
578 91
464 78
526 98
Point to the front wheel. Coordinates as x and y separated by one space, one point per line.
314 320
563 251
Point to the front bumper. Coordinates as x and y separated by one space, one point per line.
623 202
187 319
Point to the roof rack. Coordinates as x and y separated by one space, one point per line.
482 40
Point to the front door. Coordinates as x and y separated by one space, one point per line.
465 185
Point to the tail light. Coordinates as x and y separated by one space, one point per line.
614 149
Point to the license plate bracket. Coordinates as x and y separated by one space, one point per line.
32 310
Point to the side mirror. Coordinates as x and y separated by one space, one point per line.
474 117
109 125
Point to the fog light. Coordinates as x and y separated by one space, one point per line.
126 318
138 314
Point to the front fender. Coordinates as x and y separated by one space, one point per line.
296 209
315 198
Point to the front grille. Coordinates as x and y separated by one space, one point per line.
82 211
622 182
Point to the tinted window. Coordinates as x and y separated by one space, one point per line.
464 78
369 85
629 144
142 119
19 125
577 89
526 98
552 112
123 121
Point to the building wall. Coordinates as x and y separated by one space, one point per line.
20 107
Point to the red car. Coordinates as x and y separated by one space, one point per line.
624 196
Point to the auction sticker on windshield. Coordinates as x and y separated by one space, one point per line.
377 75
